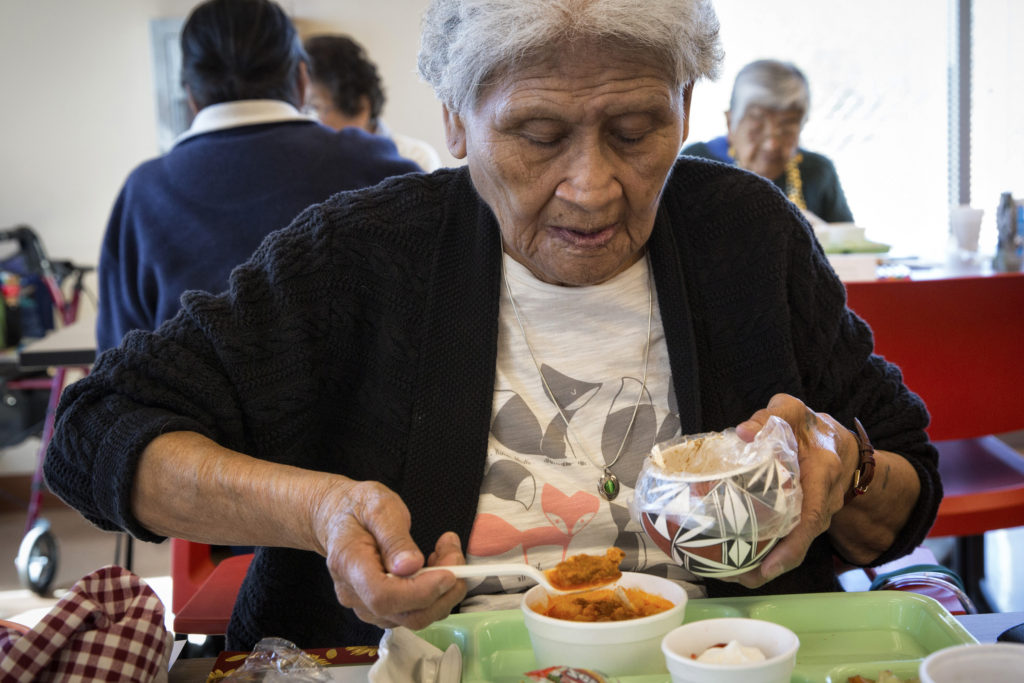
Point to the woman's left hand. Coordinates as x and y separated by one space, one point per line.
828 456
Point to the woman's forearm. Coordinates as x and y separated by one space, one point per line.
867 526
188 486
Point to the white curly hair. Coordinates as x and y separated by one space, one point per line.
465 43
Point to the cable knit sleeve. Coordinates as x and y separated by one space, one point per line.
842 377
769 316
319 322
190 375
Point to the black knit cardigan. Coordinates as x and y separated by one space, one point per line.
362 340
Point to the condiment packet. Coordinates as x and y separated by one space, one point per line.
568 674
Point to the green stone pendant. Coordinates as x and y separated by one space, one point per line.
608 485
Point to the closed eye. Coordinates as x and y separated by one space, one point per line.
631 138
543 141
632 128
543 132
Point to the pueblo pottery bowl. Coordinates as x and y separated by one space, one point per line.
717 505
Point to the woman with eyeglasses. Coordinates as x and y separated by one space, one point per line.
767 111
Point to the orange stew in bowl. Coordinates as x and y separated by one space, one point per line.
586 571
605 605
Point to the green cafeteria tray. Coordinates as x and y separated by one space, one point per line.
841 635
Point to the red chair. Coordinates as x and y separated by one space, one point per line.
919 572
959 343
203 592
14 626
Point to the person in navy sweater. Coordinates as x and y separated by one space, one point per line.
248 164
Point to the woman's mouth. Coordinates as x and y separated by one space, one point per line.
587 239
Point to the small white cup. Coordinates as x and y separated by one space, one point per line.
989 663
965 226
778 644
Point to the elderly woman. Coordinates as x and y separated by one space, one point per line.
767 111
471 365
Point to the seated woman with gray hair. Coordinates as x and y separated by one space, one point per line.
767 112
472 365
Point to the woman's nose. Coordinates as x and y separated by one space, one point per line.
773 142
590 180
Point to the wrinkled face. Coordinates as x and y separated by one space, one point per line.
764 140
571 153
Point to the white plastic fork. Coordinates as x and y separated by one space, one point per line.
467 571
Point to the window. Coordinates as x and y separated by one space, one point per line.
173 114
997 109
879 73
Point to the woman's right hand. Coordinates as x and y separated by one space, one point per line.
362 528
363 531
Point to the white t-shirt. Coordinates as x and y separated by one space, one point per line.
539 502
419 151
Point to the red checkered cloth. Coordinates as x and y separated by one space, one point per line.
109 627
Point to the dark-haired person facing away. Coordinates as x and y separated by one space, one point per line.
249 163
345 90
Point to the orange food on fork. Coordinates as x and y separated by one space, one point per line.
586 571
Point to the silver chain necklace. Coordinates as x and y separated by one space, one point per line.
608 484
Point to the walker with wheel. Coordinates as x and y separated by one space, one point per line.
38 555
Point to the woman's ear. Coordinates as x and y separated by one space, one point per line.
454 133
301 85
192 106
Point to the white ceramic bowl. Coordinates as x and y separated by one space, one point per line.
778 644
990 663
617 648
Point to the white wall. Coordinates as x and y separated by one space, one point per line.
79 111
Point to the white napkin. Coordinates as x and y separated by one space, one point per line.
403 656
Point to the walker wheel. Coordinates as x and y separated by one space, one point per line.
37 559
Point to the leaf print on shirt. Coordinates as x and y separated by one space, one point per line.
570 395
510 481
516 427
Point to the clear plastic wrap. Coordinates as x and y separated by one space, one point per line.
277 659
717 504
